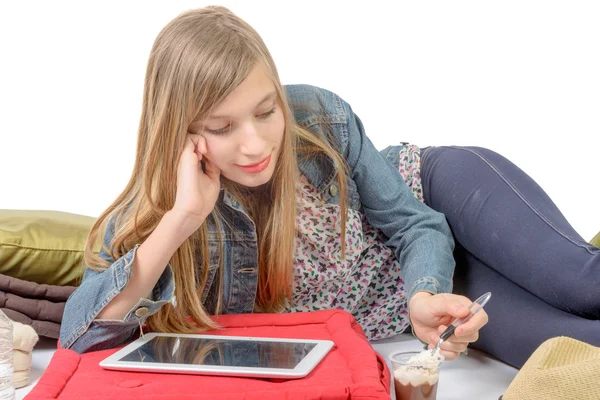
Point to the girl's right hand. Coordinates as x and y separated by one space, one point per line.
197 191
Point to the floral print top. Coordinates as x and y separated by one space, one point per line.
367 282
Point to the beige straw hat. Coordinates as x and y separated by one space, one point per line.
561 368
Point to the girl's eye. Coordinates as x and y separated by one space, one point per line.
267 114
227 128
218 131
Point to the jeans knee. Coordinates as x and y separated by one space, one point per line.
444 168
461 155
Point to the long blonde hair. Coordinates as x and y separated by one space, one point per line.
196 61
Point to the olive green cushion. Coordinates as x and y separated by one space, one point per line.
43 246
596 240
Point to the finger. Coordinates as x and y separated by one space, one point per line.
449 345
450 304
212 170
465 339
473 325
202 146
188 149
194 138
191 145
424 334
449 355
454 346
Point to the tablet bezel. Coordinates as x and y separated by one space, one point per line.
303 368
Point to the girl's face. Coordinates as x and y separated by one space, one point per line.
243 134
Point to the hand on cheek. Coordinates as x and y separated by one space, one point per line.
201 147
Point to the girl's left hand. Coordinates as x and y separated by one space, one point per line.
431 314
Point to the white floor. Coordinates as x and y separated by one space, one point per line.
471 377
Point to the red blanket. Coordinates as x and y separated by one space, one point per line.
351 370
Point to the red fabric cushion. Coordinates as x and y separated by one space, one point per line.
351 370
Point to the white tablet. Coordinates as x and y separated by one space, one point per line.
220 355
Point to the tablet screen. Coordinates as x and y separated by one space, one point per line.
233 353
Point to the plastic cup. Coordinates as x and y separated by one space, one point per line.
417 380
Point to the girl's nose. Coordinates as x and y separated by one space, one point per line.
251 143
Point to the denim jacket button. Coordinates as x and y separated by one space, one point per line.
141 312
333 190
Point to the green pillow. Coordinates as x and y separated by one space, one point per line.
44 246
596 240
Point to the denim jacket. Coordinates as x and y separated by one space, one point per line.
420 236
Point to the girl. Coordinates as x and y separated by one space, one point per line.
248 196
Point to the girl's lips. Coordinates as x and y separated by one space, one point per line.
258 167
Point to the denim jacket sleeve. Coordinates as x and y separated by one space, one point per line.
421 236
81 331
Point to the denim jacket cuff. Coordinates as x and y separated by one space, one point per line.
426 284
162 294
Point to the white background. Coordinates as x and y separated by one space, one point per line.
520 77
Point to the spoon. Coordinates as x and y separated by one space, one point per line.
473 308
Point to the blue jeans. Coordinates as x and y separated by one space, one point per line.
512 240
